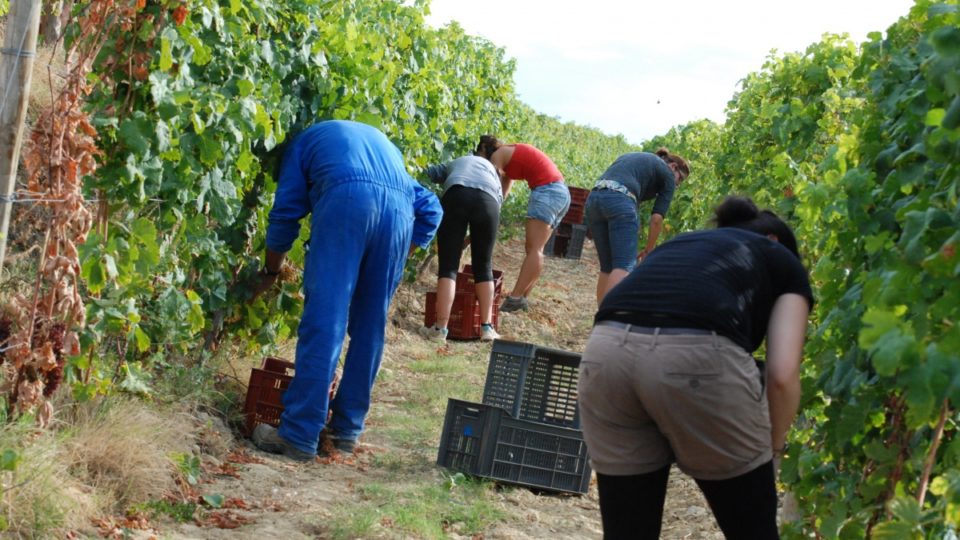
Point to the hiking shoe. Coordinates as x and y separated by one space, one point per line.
433 333
330 444
515 304
266 438
487 333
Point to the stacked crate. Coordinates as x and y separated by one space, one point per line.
566 241
578 199
526 431
465 320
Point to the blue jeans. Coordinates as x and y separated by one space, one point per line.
360 234
613 223
549 203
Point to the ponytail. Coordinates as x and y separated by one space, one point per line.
681 163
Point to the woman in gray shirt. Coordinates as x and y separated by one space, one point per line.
472 196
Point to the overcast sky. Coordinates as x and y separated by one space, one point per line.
639 68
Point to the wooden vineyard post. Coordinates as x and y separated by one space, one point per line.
16 65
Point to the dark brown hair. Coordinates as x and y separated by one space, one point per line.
673 158
487 146
742 213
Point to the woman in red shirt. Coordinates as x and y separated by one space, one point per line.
549 202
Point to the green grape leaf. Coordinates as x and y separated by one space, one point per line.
136 133
214 500
895 530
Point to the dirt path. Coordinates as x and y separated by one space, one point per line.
290 501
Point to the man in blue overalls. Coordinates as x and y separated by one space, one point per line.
367 216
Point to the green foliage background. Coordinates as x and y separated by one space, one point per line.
856 144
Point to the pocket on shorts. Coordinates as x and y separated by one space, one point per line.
693 370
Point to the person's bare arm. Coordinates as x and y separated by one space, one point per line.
505 183
656 225
785 336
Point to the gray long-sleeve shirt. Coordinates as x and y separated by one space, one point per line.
647 176
468 171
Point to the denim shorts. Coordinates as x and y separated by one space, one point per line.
549 203
613 223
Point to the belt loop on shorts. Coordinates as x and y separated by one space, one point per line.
656 334
716 341
626 334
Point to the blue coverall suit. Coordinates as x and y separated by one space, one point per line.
366 212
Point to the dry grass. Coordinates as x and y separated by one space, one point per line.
98 460
122 449
40 494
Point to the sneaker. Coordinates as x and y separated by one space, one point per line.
487 333
433 333
266 438
515 304
330 444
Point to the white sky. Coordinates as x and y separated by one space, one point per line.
638 67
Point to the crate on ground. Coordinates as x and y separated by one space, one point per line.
483 440
578 196
533 383
462 440
264 401
540 456
575 244
264 393
574 215
566 241
464 320
465 280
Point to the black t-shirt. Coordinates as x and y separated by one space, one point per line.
725 280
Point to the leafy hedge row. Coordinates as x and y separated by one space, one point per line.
191 101
859 147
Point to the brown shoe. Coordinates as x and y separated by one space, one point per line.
266 438
330 444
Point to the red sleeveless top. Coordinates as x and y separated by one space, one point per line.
530 164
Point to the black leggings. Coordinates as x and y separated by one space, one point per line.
745 506
462 207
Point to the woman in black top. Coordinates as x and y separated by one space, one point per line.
668 374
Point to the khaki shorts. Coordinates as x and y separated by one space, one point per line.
647 401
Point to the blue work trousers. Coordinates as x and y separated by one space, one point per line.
359 239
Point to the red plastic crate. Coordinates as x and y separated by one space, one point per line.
465 280
574 215
264 402
578 196
464 320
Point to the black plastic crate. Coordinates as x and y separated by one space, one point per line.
566 241
506 373
541 456
575 244
533 383
484 441
462 442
